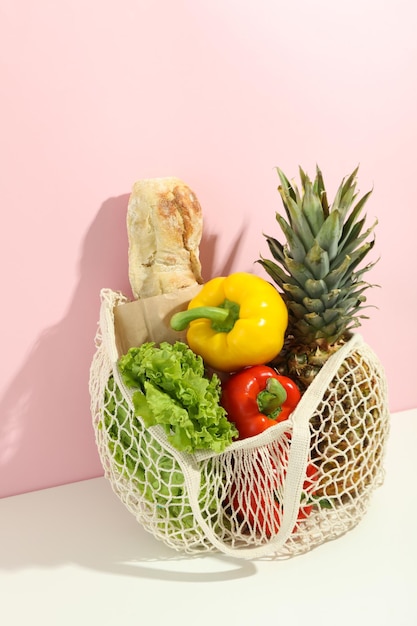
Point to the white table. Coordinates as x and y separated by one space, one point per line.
73 555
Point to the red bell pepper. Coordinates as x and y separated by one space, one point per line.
251 508
256 398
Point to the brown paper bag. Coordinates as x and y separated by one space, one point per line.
148 319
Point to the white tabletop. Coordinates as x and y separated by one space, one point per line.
73 555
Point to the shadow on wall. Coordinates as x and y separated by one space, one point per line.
46 438
208 252
45 433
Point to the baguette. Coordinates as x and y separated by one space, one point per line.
164 226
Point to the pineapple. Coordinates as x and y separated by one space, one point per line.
319 271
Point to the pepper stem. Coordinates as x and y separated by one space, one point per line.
222 317
271 399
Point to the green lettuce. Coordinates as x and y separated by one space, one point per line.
141 459
171 389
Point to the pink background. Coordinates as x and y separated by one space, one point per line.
98 94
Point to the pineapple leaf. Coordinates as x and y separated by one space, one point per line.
297 310
335 276
351 305
275 271
287 192
331 331
329 234
353 234
317 261
298 271
276 248
353 219
296 219
313 305
294 291
359 272
330 315
338 296
295 244
315 288
347 200
312 208
292 204
304 330
344 274
285 183
358 255
314 319
320 190
337 198
345 194
356 239
303 177
331 298
350 181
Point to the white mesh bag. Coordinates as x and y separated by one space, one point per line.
296 485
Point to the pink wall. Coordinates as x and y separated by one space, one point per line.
95 95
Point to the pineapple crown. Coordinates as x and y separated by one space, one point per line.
317 267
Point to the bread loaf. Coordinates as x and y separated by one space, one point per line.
164 226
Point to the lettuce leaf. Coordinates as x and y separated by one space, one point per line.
141 459
172 390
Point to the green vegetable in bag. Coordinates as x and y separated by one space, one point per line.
141 459
173 391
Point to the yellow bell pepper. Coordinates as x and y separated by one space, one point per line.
234 322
